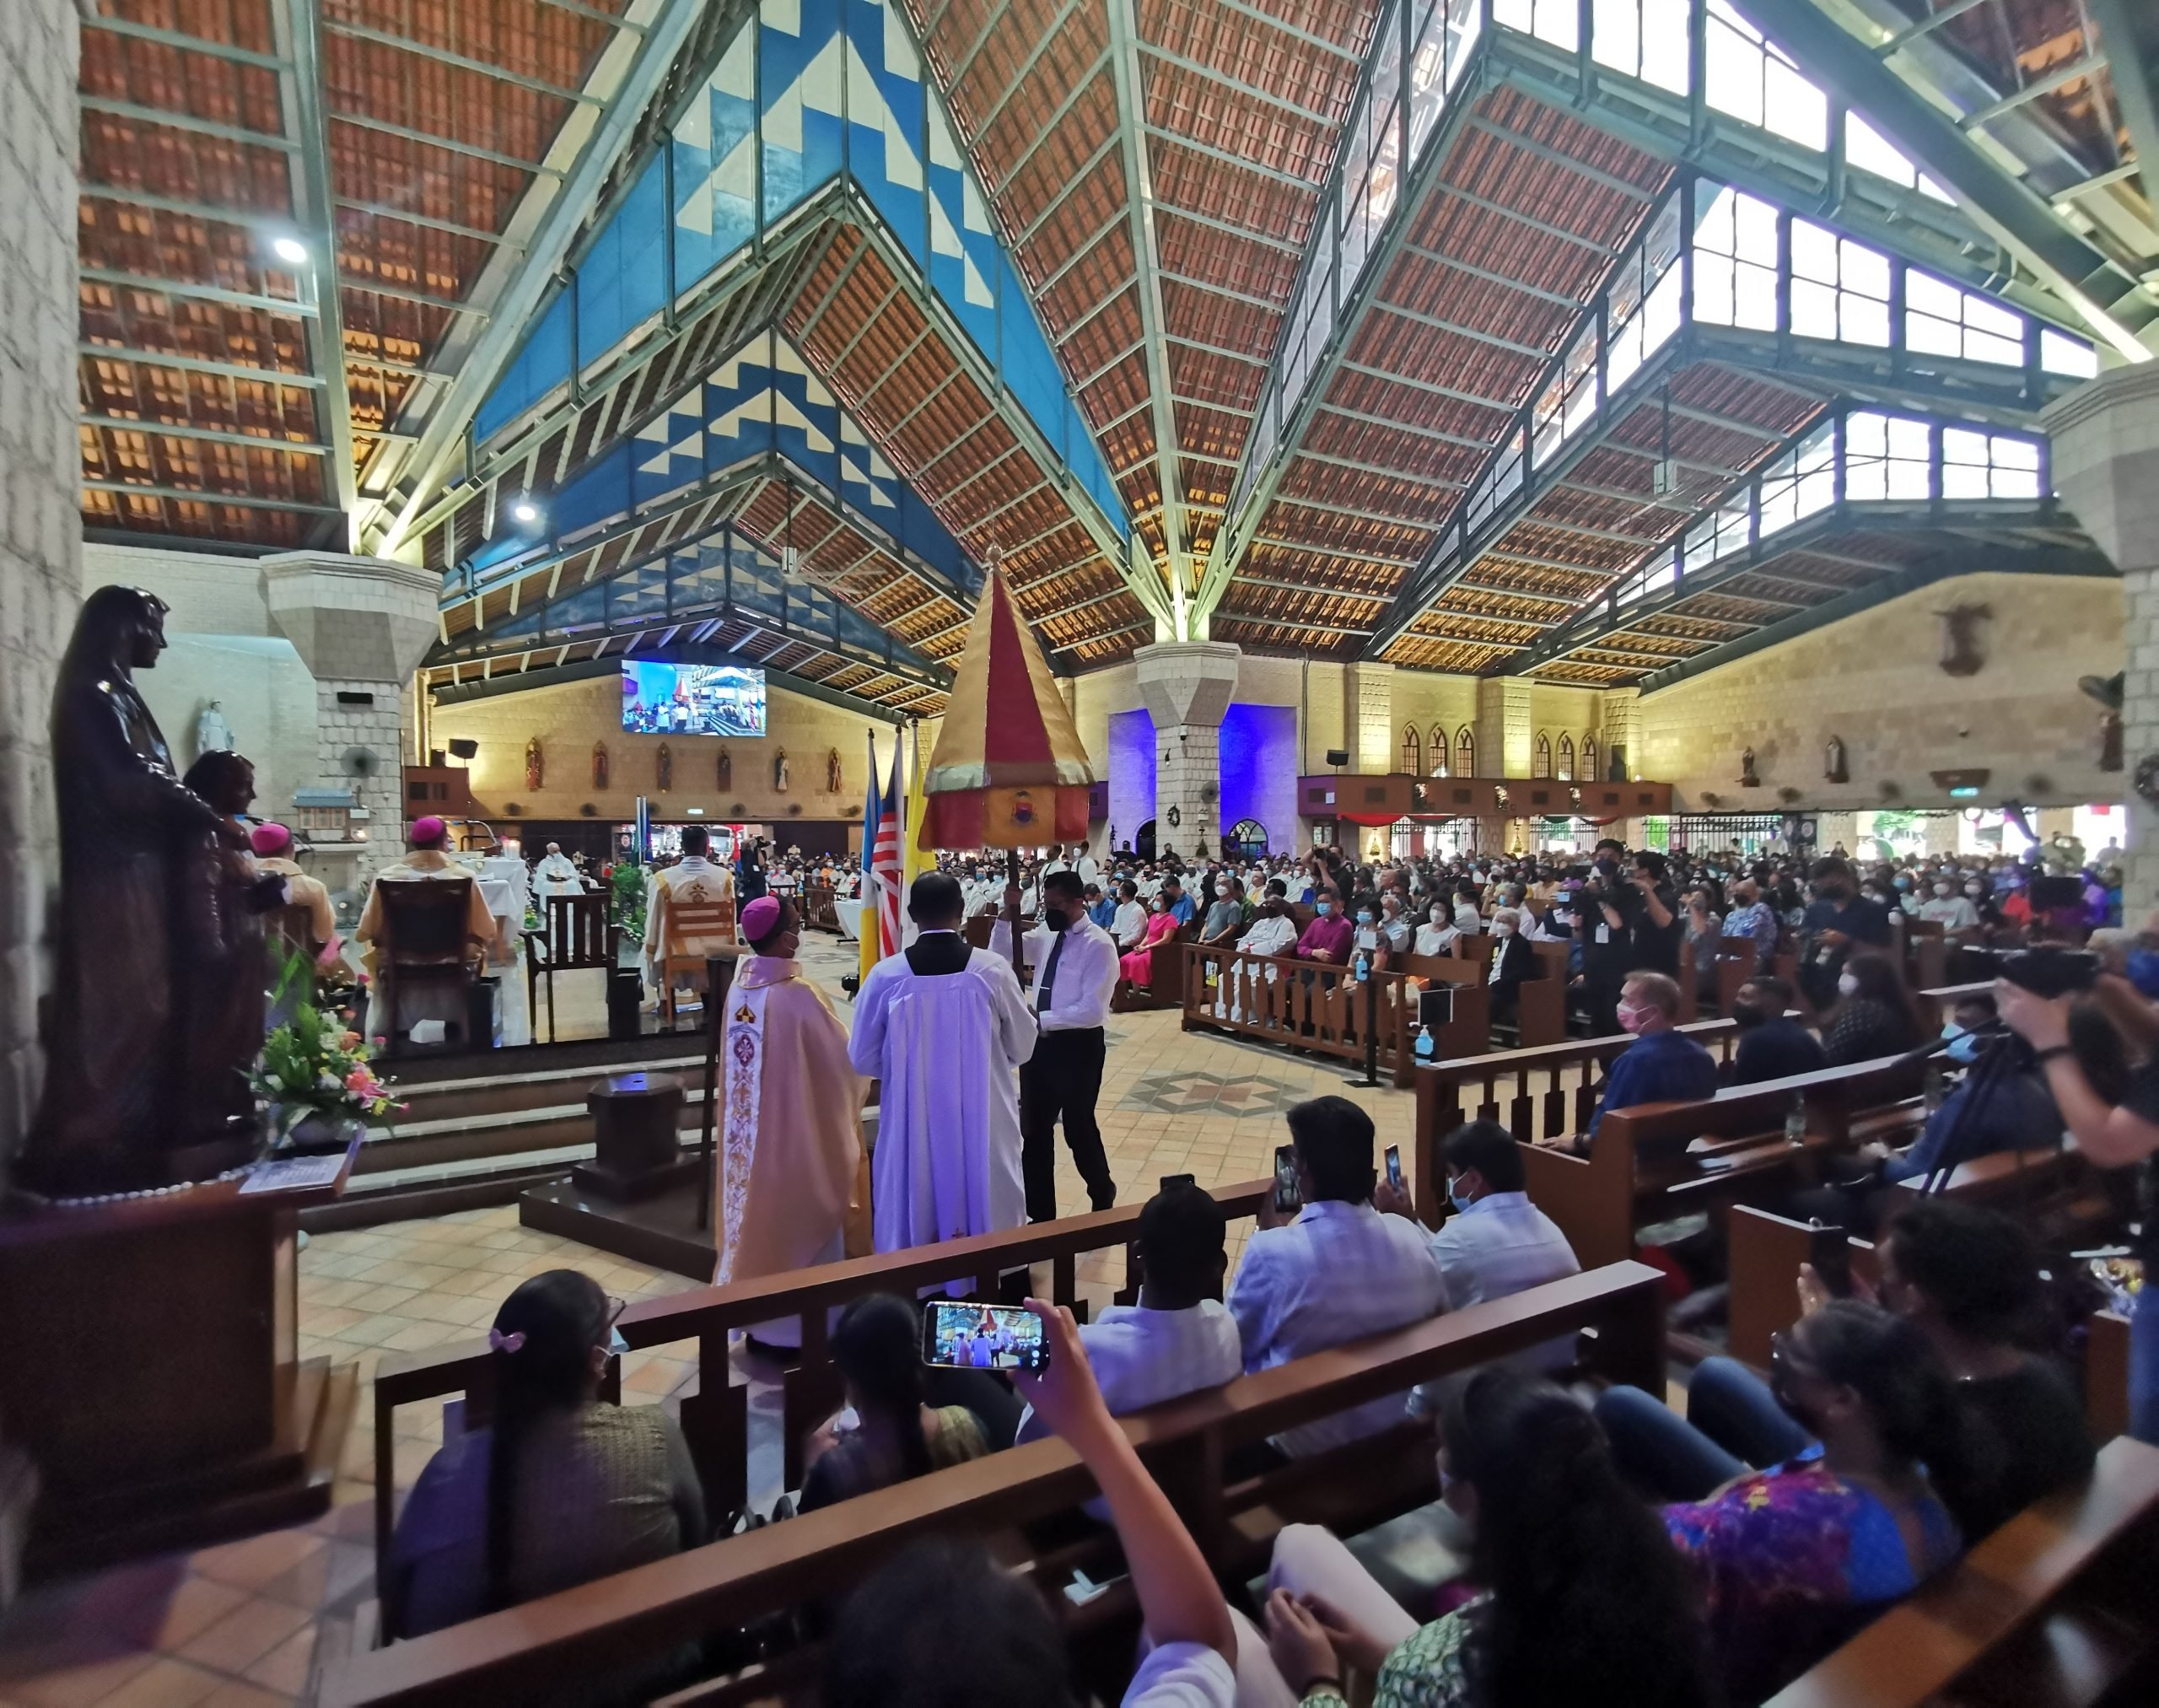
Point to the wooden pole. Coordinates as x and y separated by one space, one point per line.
1012 908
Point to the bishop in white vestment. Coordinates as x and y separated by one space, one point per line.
944 1028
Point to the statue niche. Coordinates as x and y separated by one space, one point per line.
153 879
1960 638
536 767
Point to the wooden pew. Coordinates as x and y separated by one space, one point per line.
600 1630
1661 1159
2054 1608
1553 1090
1735 967
1165 984
1541 1002
715 1420
1330 1001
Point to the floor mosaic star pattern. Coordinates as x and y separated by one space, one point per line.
1190 1093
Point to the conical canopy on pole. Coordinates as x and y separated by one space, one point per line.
1009 770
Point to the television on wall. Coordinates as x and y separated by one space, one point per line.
691 699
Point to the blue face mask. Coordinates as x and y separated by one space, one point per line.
1964 1046
1322 908
2143 971
1364 917
1456 1200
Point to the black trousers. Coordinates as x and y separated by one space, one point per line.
1062 1078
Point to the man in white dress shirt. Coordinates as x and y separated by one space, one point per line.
1273 931
1075 971
1497 1244
942 1027
1180 1337
1130 925
1341 1271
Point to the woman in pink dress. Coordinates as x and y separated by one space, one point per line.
1161 926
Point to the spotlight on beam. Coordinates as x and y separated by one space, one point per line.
289 249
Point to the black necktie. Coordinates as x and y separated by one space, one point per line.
1049 976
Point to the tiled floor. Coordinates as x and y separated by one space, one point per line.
242 1623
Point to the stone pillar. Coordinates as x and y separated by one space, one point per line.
1505 738
1368 718
361 625
41 532
1619 725
1187 686
1940 830
2105 459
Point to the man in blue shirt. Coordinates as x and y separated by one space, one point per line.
1181 905
1662 1065
1838 921
1101 908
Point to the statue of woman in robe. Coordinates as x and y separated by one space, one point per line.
113 1042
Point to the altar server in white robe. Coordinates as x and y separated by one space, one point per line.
944 1028
555 876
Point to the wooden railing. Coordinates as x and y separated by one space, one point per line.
1657 1160
1535 1094
1316 1005
602 1631
715 1419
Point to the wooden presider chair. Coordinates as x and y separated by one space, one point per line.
694 926
577 938
425 939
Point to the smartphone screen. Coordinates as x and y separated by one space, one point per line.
1394 1167
1286 1197
1830 1251
1170 1180
957 1336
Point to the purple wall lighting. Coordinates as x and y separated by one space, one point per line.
1131 772
1259 771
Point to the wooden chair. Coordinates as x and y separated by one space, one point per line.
690 933
424 940
577 938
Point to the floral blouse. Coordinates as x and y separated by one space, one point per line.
1423 1671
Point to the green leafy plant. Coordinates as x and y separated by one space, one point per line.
627 898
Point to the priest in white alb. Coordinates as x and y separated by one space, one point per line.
790 1186
944 1028
555 876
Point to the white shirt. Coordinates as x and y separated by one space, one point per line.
1142 1357
1466 919
1503 1245
1089 872
1182 1675
1950 912
1129 925
1086 974
1433 940
1269 936
1339 1273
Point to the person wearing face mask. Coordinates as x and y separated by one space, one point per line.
1496 1242
1225 914
1439 933
1395 934
1874 1015
1771 1045
1136 965
1329 936
1839 921
1512 960
2014 1111
1662 1065
1129 925
1944 907
1273 931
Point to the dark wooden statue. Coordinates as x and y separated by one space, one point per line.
133 842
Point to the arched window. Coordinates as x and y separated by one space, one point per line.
1439 750
1413 752
1589 759
1541 764
1464 753
1566 772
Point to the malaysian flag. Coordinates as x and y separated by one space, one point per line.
884 864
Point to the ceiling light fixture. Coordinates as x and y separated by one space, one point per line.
290 249
526 511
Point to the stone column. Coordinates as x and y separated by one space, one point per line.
1368 718
41 529
1619 725
361 625
1187 686
1505 735
2105 459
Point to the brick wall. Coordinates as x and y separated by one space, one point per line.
40 539
1874 680
570 717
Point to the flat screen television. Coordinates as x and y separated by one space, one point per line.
691 699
